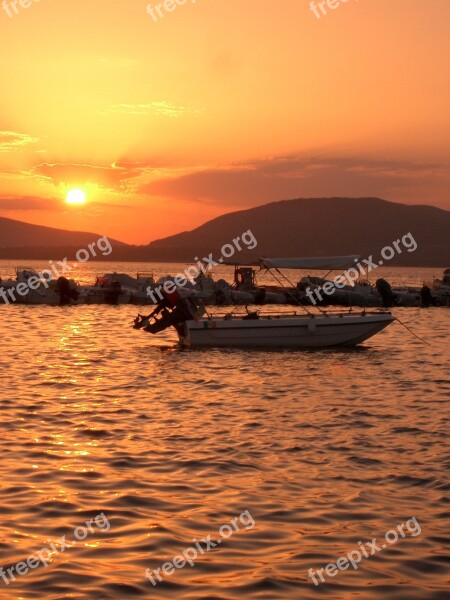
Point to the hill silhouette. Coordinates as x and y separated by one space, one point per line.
322 227
23 241
14 234
288 228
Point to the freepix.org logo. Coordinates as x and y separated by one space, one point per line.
320 9
12 7
203 266
189 555
351 275
159 11
354 557
45 555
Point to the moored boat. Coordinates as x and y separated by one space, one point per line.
31 287
283 331
311 330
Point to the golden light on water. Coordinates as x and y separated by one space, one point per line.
75 197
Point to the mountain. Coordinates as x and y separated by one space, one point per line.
15 234
321 227
288 228
24 241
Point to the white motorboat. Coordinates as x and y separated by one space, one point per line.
119 288
311 330
283 331
442 286
30 287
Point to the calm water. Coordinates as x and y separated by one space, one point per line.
324 449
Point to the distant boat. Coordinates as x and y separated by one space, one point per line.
444 283
30 287
437 292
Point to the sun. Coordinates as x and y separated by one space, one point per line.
75 197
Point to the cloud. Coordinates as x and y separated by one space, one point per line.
112 177
160 107
256 182
11 141
146 166
29 203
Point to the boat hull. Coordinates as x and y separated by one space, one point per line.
321 331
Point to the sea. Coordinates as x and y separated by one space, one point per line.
131 468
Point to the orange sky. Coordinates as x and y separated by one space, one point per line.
217 106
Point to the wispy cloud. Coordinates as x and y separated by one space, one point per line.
255 182
33 203
160 107
112 176
148 165
12 141
11 203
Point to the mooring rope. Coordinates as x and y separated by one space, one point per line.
412 332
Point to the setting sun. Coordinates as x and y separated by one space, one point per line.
75 197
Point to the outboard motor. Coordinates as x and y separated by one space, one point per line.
112 293
174 311
260 296
446 280
222 292
426 297
66 293
386 293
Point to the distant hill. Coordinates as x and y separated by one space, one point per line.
321 227
16 234
23 241
302 227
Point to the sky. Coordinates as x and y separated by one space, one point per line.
167 120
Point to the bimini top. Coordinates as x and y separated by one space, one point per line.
323 263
